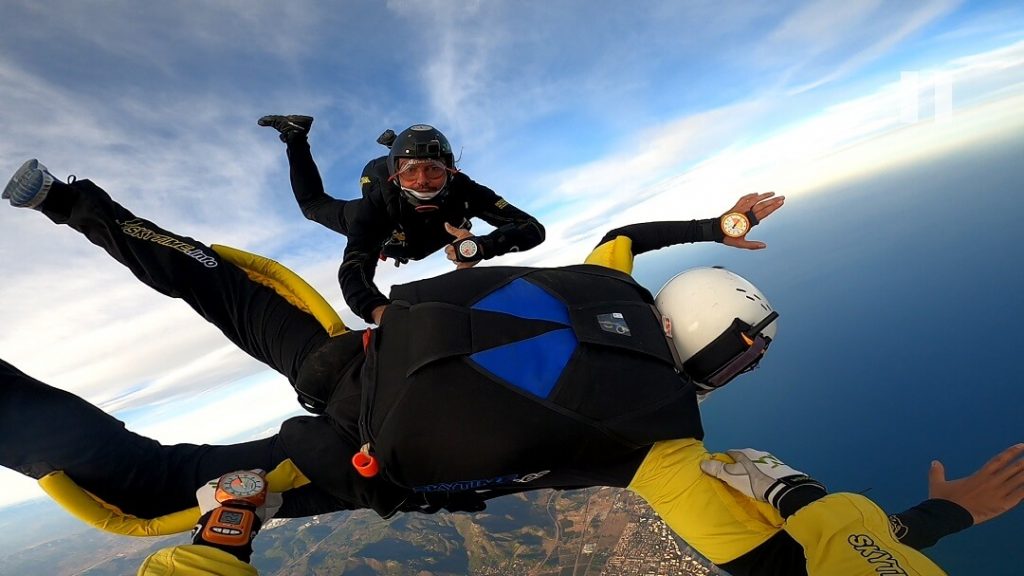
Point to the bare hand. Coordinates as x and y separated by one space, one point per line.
762 205
449 250
377 313
994 489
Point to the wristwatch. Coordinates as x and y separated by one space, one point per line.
735 224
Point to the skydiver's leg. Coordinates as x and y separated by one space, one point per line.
45 429
308 188
254 317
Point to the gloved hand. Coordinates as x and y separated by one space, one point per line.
765 478
232 524
288 125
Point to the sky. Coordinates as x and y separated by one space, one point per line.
587 114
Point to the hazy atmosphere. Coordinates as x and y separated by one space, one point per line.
893 129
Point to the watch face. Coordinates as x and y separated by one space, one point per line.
242 484
735 224
468 249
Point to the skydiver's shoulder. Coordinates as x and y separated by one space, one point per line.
466 188
377 168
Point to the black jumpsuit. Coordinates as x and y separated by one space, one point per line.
382 224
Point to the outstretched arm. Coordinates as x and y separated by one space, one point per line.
955 505
514 230
618 247
818 521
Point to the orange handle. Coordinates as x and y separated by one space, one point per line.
365 464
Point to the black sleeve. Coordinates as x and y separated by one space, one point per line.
514 230
649 236
369 228
919 527
928 522
780 555
308 188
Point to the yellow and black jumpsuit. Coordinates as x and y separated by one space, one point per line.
528 380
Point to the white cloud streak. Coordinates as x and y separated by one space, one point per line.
195 163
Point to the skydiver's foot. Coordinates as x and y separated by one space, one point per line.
288 126
29 185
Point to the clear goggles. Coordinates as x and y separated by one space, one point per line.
737 350
414 170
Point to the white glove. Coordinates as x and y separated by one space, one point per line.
758 475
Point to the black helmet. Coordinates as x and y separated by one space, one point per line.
420 141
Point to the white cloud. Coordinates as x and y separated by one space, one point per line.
839 38
193 160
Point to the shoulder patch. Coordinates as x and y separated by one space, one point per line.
364 180
501 203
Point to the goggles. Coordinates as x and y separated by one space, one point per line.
413 170
737 350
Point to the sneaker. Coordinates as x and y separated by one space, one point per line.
288 125
29 185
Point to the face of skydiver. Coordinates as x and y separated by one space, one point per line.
422 178
421 152
719 324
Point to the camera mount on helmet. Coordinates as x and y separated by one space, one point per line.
386 138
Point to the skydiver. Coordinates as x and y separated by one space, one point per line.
414 203
810 514
560 348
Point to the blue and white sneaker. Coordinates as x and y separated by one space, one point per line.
29 185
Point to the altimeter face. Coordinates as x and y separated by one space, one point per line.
242 485
735 224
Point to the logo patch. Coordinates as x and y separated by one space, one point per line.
135 229
501 203
899 529
880 559
614 323
531 476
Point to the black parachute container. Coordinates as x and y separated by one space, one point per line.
522 378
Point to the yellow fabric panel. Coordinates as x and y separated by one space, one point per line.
93 511
286 283
89 509
848 534
194 560
715 520
285 477
616 254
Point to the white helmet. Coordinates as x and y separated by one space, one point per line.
719 323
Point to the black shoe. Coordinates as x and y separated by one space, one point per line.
288 125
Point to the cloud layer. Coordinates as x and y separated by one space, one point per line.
589 116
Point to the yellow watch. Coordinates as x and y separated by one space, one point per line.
735 224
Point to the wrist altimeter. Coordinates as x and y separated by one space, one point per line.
235 522
735 224
467 250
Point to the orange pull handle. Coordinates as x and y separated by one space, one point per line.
365 464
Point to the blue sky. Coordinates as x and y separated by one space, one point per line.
586 114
